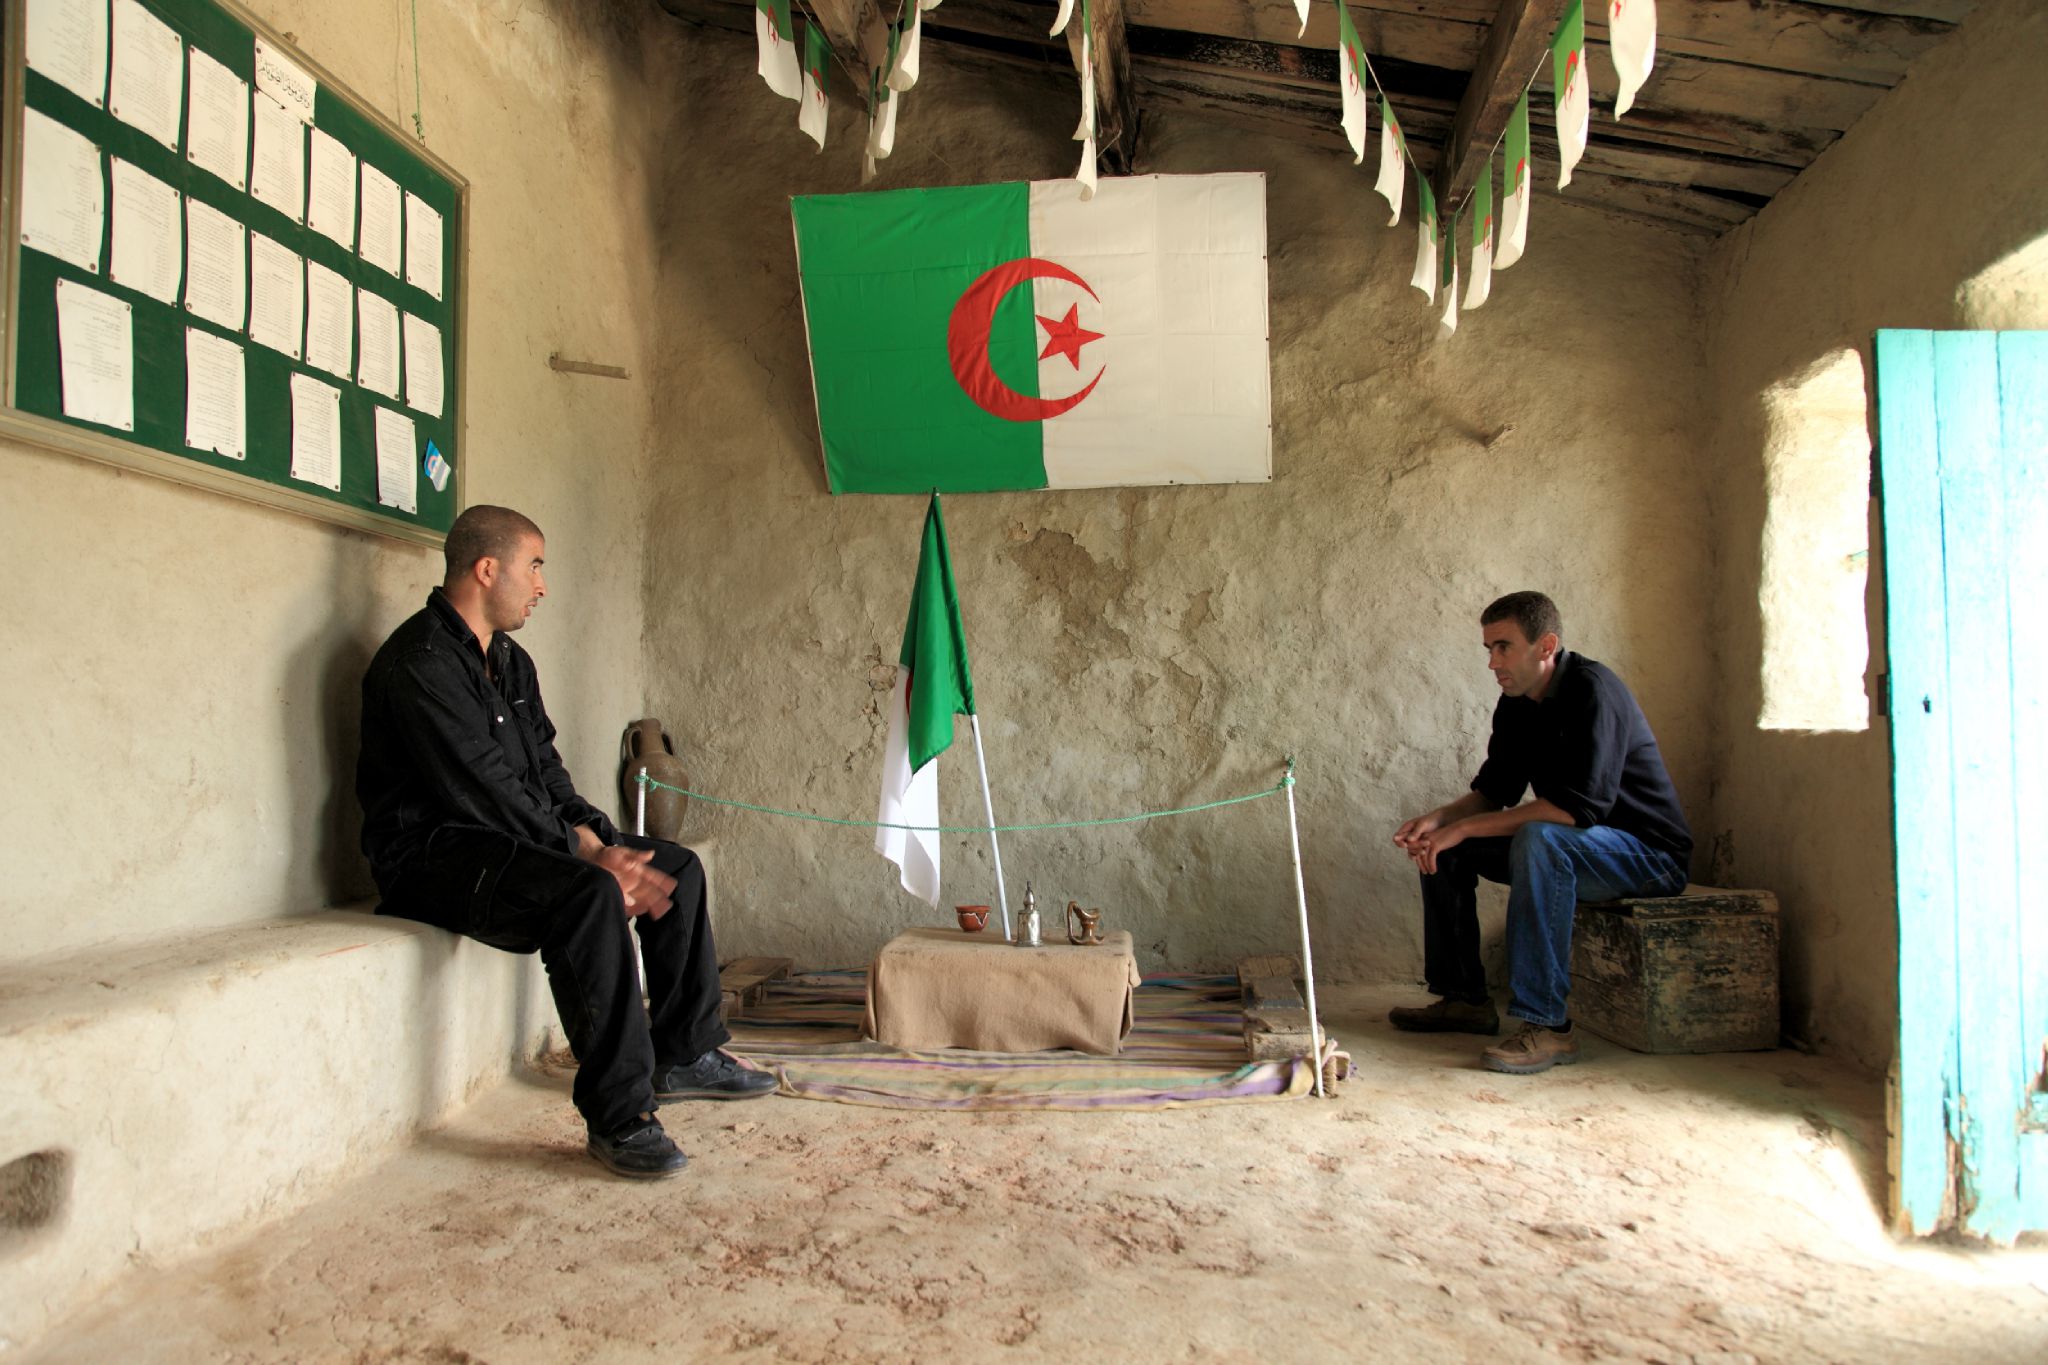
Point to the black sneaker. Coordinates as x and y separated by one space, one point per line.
714 1076
1446 1016
638 1149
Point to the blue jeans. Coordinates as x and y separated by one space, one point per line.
1548 870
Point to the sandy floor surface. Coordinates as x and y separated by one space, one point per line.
1630 1208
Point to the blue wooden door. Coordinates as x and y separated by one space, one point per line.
1963 480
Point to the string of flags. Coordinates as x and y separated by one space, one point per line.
1496 244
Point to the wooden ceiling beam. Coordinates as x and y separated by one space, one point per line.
1518 40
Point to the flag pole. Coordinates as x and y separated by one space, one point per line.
989 807
1308 962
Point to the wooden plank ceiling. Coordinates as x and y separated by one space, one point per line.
1746 93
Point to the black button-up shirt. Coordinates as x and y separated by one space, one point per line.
1587 750
446 742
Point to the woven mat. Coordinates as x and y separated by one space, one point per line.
1186 1047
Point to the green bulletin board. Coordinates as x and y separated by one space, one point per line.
34 371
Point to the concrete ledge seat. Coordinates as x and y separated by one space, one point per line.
153 1095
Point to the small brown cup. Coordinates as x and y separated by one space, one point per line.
973 918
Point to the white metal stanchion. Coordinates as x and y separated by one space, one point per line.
640 806
1308 962
988 806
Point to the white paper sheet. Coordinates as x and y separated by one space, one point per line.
148 87
422 244
316 432
63 193
67 41
422 365
377 330
278 176
216 408
330 321
217 119
285 81
216 266
277 295
331 190
382 227
397 481
147 238
96 355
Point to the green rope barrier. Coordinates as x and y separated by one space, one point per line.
1282 785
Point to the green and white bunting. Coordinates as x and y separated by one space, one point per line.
1632 42
775 42
1015 336
815 111
1574 100
1424 277
1480 287
1515 190
1393 162
1351 76
1447 285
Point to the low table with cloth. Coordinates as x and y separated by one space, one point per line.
941 988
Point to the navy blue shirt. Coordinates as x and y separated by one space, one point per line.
446 742
1587 750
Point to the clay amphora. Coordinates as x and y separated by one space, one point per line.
646 745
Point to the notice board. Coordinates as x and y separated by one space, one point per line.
224 268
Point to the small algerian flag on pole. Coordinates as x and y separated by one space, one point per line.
1424 277
1515 190
776 41
1351 76
1031 340
1574 100
1481 284
932 686
1393 171
815 111
1632 42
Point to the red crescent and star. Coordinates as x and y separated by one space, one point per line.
967 335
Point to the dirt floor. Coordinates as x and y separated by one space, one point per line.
1630 1208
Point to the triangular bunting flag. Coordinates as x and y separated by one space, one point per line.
1574 100
1515 190
1301 8
1447 285
813 114
1059 23
1084 133
1392 175
1424 277
903 74
775 41
1632 42
1481 284
1350 76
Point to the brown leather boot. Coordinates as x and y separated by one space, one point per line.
1446 1016
1534 1049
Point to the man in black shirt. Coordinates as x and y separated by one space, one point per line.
471 823
1604 823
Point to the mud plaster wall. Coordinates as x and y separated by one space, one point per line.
1143 648
1885 230
182 668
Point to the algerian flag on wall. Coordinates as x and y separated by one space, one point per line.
932 686
1016 336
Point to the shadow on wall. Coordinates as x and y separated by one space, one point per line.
325 677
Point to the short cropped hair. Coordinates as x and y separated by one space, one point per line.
484 532
1532 611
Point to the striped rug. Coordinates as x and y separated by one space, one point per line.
1186 1047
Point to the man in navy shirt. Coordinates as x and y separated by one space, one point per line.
1603 823
471 823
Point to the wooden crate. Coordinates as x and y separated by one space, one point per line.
1691 973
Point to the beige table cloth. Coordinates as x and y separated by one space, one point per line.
938 988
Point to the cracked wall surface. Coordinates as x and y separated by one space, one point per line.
1143 648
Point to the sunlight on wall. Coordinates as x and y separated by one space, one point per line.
1816 548
2010 295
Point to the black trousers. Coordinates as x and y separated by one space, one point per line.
524 898
1451 964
